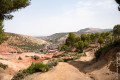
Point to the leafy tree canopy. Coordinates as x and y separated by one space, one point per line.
2 34
70 41
116 30
118 1
8 6
100 40
83 37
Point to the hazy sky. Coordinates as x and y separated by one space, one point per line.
45 17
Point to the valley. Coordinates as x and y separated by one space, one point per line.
67 65
82 40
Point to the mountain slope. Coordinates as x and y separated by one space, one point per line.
20 43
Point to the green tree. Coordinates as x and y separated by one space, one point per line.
77 39
92 37
108 38
2 34
63 48
6 8
88 38
100 41
9 6
116 31
118 1
86 45
103 35
83 37
80 45
70 41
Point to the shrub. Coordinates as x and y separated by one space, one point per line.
19 58
84 54
24 71
37 67
60 60
63 48
3 66
52 63
18 76
47 58
27 56
106 48
35 57
19 52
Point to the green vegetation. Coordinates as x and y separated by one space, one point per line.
9 6
20 58
118 1
116 31
74 41
63 48
106 48
2 33
107 41
37 67
52 63
33 68
3 66
19 76
78 44
100 41
114 43
35 57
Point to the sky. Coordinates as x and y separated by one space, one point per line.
46 17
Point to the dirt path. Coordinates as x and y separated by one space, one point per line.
63 71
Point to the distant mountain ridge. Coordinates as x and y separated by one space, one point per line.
57 37
93 30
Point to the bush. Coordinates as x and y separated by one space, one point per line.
52 63
63 48
19 58
60 60
35 57
47 58
37 67
27 56
19 52
18 76
106 48
24 71
3 66
84 54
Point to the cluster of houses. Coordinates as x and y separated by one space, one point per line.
51 48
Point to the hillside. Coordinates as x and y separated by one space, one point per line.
60 37
21 43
